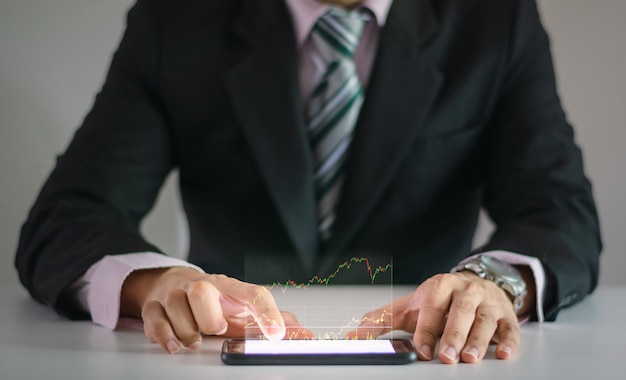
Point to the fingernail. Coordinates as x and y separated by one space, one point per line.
275 332
473 352
450 352
222 331
172 346
195 345
508 351
426 352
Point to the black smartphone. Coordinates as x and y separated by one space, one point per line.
312 352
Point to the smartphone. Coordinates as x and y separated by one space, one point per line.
312 352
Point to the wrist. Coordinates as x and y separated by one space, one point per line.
504 275
527 310
135 290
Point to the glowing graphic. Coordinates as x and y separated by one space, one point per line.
316 319
373 272
380 322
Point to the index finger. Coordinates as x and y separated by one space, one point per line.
431 317
258 300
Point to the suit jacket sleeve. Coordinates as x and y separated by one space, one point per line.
536 191
108 178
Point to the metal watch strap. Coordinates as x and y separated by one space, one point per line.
514 286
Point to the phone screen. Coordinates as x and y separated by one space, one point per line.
318 347
258 352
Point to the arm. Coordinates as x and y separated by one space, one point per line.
99 291
541 202
107 179
536 191
92 204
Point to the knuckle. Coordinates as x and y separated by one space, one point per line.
455 335
509 330
200 289
439 281
464 304
428 333
159 330
436 280
476 288
211 325
256 292
149 308
173 298
433 309
437 289
432 304
478 341
222 281
486 318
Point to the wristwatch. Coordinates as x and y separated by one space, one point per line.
502 274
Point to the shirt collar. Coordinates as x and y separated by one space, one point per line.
306 12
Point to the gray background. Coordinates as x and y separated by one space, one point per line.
54 55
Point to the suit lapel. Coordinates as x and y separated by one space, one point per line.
264 91
401 91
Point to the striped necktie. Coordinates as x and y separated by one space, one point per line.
334 107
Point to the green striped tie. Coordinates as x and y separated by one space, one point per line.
334 107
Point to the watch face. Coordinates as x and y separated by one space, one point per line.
506 271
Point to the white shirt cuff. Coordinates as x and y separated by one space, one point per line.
99 289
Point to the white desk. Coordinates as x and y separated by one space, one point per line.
587 342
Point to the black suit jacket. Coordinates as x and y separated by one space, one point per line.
461 112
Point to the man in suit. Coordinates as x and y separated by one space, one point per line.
460 111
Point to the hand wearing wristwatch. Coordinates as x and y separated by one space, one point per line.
502 274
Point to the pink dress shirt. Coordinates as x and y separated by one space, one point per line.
98 291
